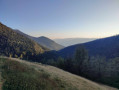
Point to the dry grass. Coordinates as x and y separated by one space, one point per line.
77 81
0 82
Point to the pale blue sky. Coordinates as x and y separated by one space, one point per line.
62 18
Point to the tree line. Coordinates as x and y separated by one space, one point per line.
96 68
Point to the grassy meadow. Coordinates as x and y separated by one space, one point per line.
19 76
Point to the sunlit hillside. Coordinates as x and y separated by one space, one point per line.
45 76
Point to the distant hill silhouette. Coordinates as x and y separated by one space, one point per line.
16 45
107 47
72 41
44 41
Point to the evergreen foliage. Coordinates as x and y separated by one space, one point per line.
96 68
13 44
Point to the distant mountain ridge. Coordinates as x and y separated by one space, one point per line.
73 41
44 41
107 47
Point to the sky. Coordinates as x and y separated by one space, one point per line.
62 18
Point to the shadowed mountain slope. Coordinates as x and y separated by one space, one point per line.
107 47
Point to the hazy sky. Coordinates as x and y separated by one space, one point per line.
62 18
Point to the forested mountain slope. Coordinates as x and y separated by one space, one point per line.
107 47
44 41
17 45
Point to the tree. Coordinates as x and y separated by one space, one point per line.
10 55
16 56
81 55
96 68
60 63
21 56
69 64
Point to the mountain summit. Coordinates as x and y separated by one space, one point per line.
44 41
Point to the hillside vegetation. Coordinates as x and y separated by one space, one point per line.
85 60
25 75
21 76
16 45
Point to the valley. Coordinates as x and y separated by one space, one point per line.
95 60
59 44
